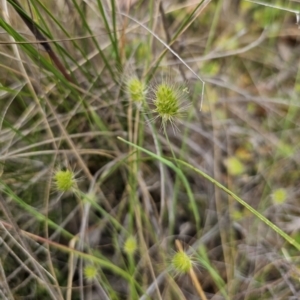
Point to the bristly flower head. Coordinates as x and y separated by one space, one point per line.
130 245
136 90
90 272
64 180
168 101
181 262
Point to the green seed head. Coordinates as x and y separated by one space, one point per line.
130 245
279 196
181 262
168 101
90 272
136 90
64 180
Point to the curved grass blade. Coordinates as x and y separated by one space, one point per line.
180 175
245 204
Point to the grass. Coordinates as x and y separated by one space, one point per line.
149 151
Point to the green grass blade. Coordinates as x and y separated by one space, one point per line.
40 217
180 175
245 204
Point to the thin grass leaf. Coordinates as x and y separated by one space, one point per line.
245 204
40 217
178 172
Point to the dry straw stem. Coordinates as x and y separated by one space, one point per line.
192 275
71 265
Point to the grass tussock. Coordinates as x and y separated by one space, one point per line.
149 150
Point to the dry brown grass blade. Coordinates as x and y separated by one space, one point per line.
40 37
192 275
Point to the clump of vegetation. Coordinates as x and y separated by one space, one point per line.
80 86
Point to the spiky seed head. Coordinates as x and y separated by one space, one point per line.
279 196
64 180
130 245
168 100
181 262
90 272
136 90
